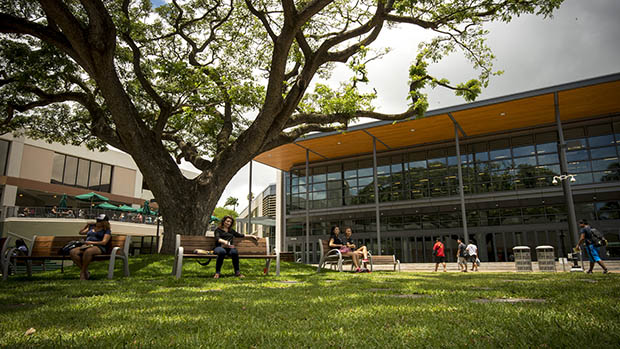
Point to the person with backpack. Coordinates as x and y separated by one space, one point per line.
439 253
591 239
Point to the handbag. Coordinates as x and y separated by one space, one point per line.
69 246
344 249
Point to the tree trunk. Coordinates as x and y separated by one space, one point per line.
187 205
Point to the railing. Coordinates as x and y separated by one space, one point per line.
83 213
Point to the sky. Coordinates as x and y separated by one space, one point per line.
581 41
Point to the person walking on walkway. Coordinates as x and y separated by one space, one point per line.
439 253
591 250
472 251
460 255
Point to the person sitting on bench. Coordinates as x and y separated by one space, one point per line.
335 241
97 237
224 235
362 252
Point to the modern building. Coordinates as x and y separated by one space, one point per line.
529 165
35 175
263 220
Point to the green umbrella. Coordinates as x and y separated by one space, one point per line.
63 201
126 208
91 197
107 206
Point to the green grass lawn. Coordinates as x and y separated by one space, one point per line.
304 309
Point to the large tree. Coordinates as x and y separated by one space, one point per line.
217 82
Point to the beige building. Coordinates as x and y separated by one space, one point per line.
34 176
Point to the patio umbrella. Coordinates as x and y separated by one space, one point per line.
63 201
126 208
107 206
92 197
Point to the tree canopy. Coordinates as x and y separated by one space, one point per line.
217 82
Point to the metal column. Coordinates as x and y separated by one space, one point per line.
374 175
461 192
568 193
250 202
307 206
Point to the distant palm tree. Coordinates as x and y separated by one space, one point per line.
232 201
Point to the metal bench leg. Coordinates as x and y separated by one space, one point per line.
174 264
267 264
278 264
126 265
111 266
321 264
179 263
340 265
29 267
5 268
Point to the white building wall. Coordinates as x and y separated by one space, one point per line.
280 212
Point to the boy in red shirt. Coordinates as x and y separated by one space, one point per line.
440 256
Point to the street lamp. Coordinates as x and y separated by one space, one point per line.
563 177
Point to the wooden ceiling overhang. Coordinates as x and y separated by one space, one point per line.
578 100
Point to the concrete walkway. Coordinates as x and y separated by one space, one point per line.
497 267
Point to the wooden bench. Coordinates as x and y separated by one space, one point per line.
384 260
247 247
335 258
45 248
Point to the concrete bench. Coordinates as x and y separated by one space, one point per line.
247 247
45 248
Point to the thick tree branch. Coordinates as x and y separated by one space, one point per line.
187 151
261 16
14 25
373 26
291 136
164 106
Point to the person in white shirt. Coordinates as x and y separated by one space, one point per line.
472 251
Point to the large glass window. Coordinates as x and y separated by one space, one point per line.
4 156
69 170
82 175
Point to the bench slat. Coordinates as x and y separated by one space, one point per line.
245 246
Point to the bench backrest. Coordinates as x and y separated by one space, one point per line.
323 245
51 245
245 246
384 259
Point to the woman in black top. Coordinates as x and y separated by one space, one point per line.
335 241
224 235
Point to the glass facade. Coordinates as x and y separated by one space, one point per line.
517 163
78 172
512 163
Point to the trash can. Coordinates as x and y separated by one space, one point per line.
523 258
546 258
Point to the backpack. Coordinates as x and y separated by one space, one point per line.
597 238
69 246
